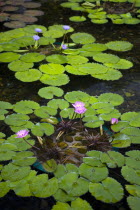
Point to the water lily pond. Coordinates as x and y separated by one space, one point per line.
69 104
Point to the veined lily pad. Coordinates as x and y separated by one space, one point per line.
99 21
133 202
76 59
8 57
76 96
106 58
25 107
5 105
24 158
92 68
50 92
114 99
131 175
77 18
109 191
42 128
28 76
60 59
56 80
32 57
58 103
45 111
16 119
4 189
52 68
82 38
95 47
111 74
19 65
69 4
74 70
119 45
121 64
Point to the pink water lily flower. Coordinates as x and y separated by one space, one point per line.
22 133
78 104
114 121
80 110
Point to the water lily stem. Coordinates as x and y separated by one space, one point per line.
30 144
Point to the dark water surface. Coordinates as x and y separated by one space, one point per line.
13 90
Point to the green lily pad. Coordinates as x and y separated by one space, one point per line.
52 68
24 158
32 57
114 99
9 57
50 92
4 189
82 38
76 96
55 58
16 119
42 128
121 64
58 103
133 202
76 59
111 74
77 18
119 45
25 107
30 75
108 191
94 47
19 65
106 58
5 105
131 175
45 111
55 80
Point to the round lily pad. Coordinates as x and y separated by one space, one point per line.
14 24
8 57
111 74
56 58
31 5
52 68
50 92
121 64
28 76
94 47
82 38
76 96
119 45
32 57
25 107
106 58
76 59
34 12
10 8
77 18
56 80
19 65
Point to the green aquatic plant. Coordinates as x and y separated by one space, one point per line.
33 53
99 12
73 139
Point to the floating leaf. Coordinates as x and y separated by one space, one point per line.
45 111
108 191
131 175
9 57
58 103
120 125
42 128
55 58
62 196
14 173
50 165
66 185
4 189
112 159
95 47
25 107
5 105
82 38
92 68
6 155
42 187
52 68
121 64
32 57
60 205
133 202
133 160
119 45
76 59
99 21
114 99
28 76
77 18
56 80
79 204
94 174
133 190
106 58
121 140
74 70
50 92
60 171
16 119
19 65
76 96
111 74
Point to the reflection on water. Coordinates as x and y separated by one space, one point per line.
13 90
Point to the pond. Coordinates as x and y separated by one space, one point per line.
13 90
